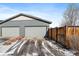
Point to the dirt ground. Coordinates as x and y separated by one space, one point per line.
21 46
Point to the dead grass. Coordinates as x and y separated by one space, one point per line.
12 39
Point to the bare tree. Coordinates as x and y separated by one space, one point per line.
71 15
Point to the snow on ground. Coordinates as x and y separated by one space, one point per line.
63 50
5 48
33 47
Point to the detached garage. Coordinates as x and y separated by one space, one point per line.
24 25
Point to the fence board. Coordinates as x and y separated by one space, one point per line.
67 36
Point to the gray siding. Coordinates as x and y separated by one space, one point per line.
22 31
0 31
25 23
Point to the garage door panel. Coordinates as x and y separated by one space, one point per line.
10 31
38 32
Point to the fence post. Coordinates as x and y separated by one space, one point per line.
48 33
51 33
65 37
56 34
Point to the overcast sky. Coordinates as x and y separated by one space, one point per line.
49 11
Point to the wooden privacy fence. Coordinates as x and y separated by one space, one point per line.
67 36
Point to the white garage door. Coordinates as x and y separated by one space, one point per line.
10 31
38 32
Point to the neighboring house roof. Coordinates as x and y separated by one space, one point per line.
1 21
21 14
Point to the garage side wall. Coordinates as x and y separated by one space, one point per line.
0 31
22 24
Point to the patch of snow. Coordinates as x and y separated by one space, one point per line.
34 54
4 48
36 43
66 52
46 48
21 46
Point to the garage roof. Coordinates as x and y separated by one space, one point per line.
29 16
